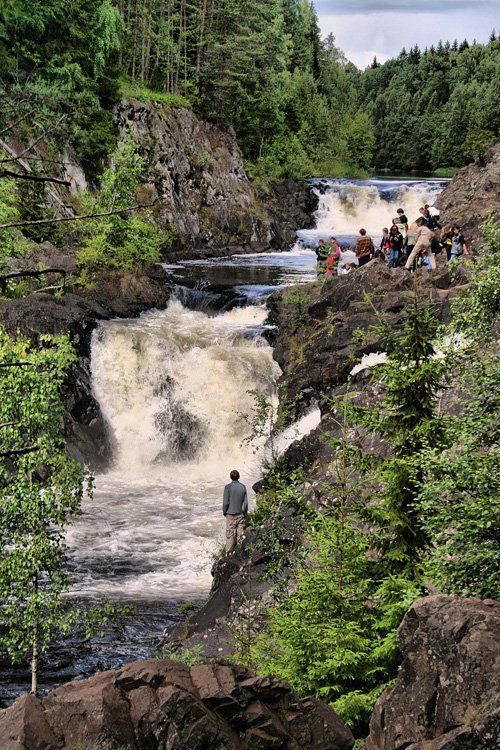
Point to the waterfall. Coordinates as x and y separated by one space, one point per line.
174 390
344 206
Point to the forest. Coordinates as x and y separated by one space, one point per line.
297 105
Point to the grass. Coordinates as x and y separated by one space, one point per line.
144 94
445 171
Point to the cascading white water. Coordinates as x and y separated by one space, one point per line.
174 389
344 207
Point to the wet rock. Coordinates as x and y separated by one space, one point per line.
446 693
472 195
316 346
163 704
291 205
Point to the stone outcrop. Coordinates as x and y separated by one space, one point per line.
162 705
446 696
472 195
196 174
314 345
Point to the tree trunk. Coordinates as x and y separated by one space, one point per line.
34 664
134 43
201 36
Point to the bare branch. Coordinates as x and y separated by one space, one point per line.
17 364
33 177
35 142
7 424
76 218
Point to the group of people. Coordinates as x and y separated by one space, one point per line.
403 244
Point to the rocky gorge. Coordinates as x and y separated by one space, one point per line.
443 699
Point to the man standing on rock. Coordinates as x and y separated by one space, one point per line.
235 509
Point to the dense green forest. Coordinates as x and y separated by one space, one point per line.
297 105
432 109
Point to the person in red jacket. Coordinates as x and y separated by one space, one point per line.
334 256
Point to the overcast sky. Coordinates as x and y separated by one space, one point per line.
365 28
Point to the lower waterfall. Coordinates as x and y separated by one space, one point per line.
174 388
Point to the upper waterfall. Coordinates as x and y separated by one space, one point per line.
345 206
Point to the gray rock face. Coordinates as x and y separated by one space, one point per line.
196 173
314 345
472 195
162 705
446 694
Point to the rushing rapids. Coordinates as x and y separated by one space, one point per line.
173 386
175 389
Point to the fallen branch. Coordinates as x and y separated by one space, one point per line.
20 451
34 177
7 424
76 218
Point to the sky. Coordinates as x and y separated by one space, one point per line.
364 29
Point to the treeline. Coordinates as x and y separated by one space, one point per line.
260 67
298 107
433 109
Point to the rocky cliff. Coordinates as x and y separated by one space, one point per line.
472 195
163 705
195 172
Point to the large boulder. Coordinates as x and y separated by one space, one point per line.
446 694
164 705
472 195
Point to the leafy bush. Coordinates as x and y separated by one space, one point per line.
125 242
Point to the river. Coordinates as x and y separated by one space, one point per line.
175 388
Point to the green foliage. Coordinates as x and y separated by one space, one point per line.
41 490
477 309
145 94
12 243
334 635
434 109
190 656
128 241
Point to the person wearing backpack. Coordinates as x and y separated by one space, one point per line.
395 244
458 246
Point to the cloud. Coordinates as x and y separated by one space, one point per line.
357 7
362 37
